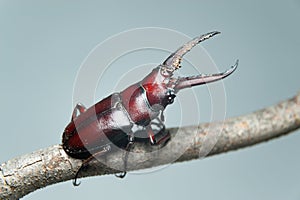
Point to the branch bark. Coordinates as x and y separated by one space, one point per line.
27 173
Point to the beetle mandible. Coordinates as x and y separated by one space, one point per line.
92 131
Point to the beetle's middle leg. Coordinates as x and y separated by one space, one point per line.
127 150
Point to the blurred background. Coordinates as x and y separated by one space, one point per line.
43 44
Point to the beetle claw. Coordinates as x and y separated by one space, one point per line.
75 182
121 175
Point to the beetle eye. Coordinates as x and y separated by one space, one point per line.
171 95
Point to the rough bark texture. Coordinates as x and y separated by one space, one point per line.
27 173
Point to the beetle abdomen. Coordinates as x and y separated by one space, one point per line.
97 127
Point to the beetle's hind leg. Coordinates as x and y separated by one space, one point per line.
86 162
79 108
83 165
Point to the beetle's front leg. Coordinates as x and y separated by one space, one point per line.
150 134
79 108
159 138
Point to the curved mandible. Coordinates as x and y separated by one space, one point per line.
191 81
172 63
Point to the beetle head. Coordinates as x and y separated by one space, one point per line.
160 85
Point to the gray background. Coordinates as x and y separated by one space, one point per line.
42 45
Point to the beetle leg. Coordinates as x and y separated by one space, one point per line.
163 132
79 108
88 160
127 149
162 117
162 135
165 137
159 138
150 134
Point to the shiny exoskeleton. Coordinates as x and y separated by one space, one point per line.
92 131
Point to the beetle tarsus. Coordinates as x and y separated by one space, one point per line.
88 160
161 136
150 135
165 138
127 150
83 165
121 175
76 177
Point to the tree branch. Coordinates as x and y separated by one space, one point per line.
27 173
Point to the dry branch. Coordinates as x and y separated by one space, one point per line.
27 173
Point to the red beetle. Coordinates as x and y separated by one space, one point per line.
92 131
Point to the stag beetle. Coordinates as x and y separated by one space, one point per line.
92 131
